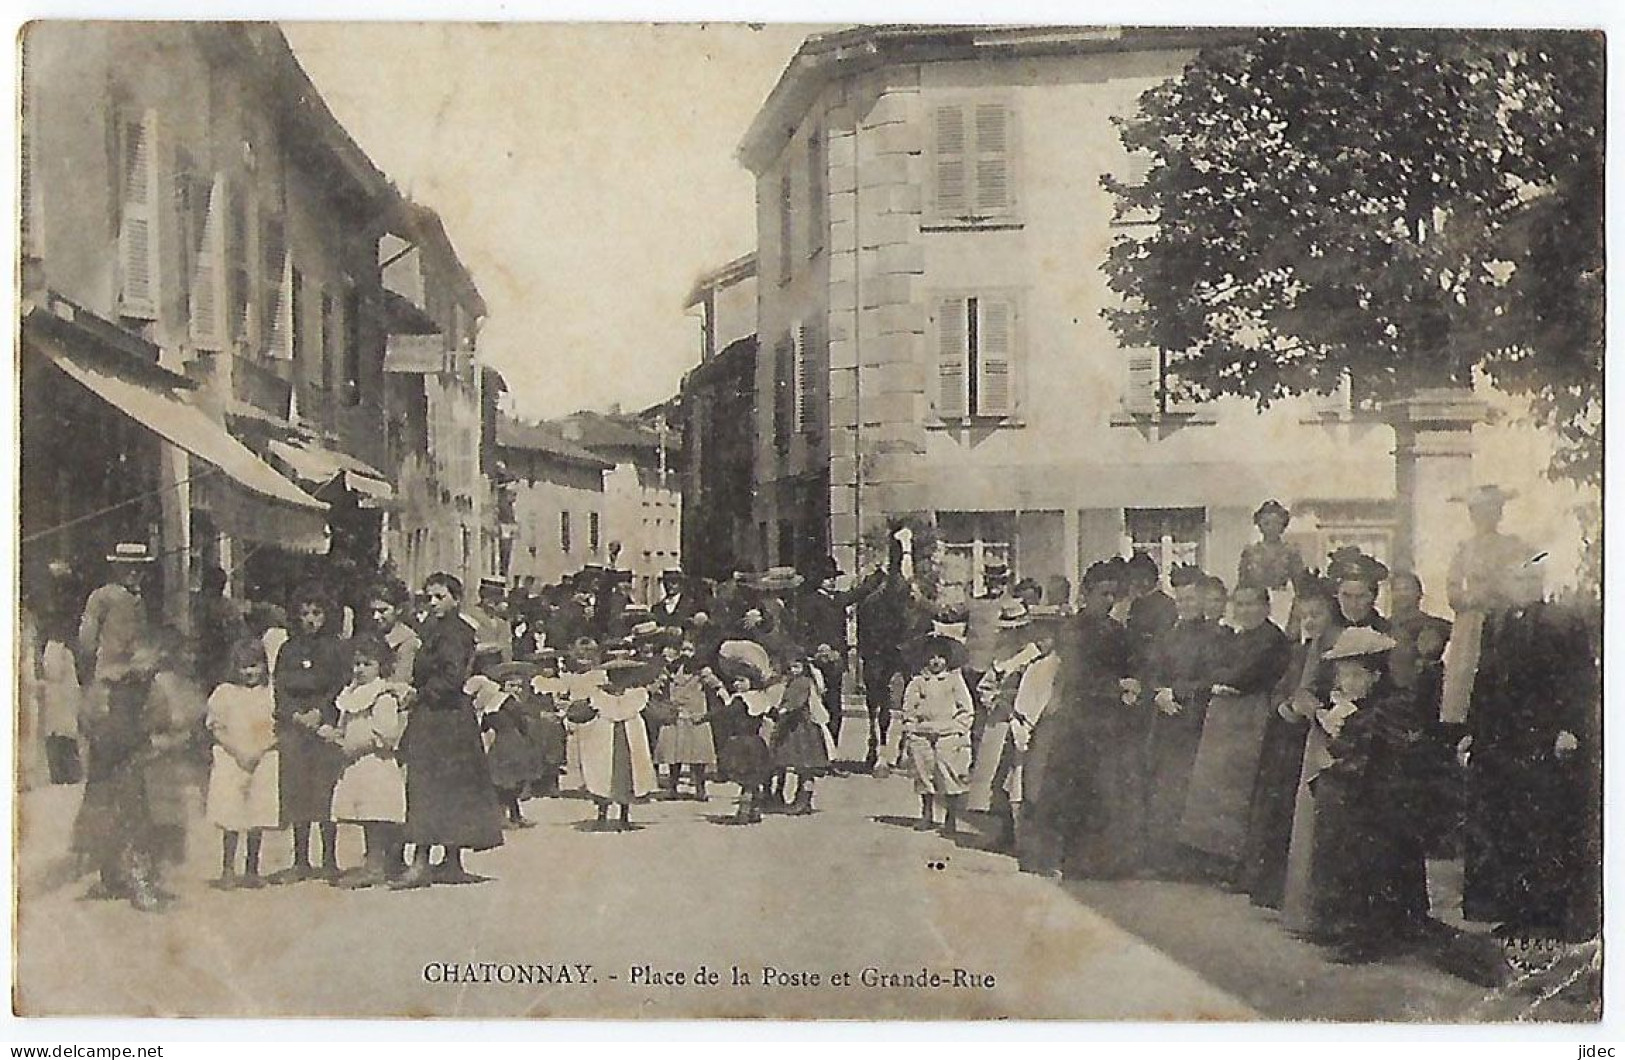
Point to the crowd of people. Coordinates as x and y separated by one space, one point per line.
1282 738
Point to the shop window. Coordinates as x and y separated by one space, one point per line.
971 541
1173 537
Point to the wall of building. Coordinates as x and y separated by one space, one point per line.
543 492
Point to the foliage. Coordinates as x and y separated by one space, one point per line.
1406 207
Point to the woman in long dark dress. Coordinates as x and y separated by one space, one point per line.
1369 873
450 802
311 670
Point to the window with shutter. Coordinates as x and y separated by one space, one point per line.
297 343
973 162
327 357
138 229
239 283
1135 172
994 348
949 161
816 219
1144 382
803 378
786 227
205 199
784 392
274 285
953 336
992 158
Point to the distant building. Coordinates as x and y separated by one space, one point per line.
550 502
718 422
932 228
643 500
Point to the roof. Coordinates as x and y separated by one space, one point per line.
740 268
825 57
598 430
546 439
736 358
423 227
334 153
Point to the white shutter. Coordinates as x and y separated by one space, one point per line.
1143 368
952 337
996 344
952 192
138 229
208 331
993 191
803 379
275 303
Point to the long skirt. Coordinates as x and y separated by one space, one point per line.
686 743
1110 841
1298 898
449 797
309 767
1461 655
801 746
1173 743
514 758
1370 872
1223 776
1270 815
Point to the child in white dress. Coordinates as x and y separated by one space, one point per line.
242 798
371 791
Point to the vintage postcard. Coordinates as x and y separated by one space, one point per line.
809 522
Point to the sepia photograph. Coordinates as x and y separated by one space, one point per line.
719 520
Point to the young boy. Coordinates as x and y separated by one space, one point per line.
937 716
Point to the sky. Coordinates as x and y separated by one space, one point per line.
586 174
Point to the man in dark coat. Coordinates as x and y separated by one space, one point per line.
677 602
886 621
819 619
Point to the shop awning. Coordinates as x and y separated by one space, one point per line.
283 513
321 467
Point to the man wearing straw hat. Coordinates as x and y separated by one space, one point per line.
115 616
1489 571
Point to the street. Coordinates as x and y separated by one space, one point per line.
850 888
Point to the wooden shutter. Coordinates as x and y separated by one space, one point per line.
784 395
815 194
1143 370
208 331
786 226
995 353
138 228
952 359
803 355
952 192
993 188
274 302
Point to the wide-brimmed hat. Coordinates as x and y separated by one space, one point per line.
1350 564
1013 614
130 552
625 667
645 629
823 568
744 656
1357 642
524 670
778 579
1484 496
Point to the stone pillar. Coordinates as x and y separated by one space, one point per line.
1433 462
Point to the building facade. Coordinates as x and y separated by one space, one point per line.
550 499
445 519
717 417
185 185
643 500
931 234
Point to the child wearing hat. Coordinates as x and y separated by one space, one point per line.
583 675
688 740
371 791
615 759
513 755
744 757
936 720
800 745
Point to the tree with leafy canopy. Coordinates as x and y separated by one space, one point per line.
1406 208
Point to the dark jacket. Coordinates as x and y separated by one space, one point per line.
443 663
